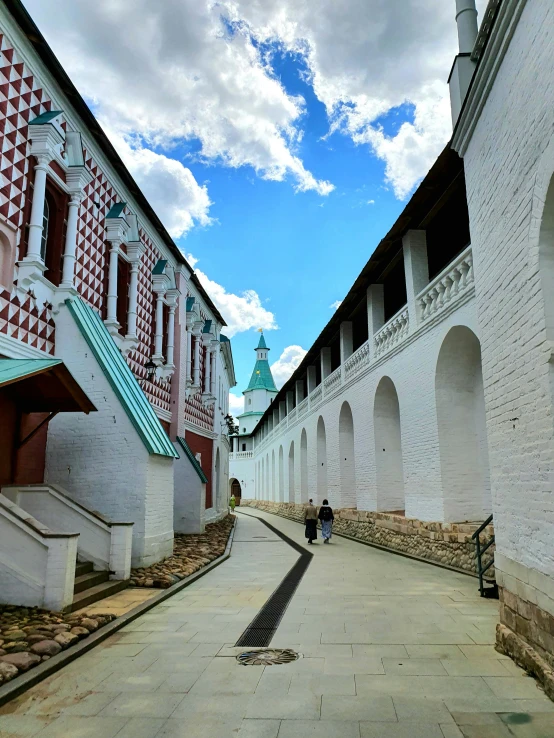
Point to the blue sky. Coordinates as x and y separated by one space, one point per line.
277 141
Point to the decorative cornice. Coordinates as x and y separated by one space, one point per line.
502 31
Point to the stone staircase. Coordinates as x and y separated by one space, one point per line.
91 586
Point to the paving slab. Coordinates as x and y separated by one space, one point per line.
389 647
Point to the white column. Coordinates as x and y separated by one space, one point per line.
170 335
207 372
197 343
37 210
416 269
282 411
325 357
346 341
375 312
312 379
159 336
112 284
213 374
290 402
189 356
70 247
133 294
299 388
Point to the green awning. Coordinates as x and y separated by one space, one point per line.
192 458
43 385
122 380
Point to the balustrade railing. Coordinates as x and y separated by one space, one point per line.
316 395
292 415
447 287
394 331
357 361
302 408
240 455
333 380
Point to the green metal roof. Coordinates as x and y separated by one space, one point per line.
160 266
192 458
45 117
12 369
116 211
223 338
207 326
261 377
261 343
121 378
251 412
190 303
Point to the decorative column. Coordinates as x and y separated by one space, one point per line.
312 379
197 342
159 335
325 358
135 249
189 356
416 269
112 284
77 178
70 247
207 371
346 341
37 210
171 335
116 233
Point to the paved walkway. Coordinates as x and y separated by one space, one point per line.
391 649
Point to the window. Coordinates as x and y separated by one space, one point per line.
244 430
54 223
244 446
123 281
249 401
165 324
45 222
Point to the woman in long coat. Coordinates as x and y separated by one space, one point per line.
310 521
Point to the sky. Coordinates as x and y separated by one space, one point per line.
278 140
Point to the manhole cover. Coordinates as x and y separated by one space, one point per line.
267 658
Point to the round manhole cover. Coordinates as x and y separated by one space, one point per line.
267 658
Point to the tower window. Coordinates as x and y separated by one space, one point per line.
249 401
244 446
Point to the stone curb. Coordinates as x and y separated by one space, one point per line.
381 548
25 681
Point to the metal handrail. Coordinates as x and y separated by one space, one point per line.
480 551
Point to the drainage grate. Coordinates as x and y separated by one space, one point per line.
263 627
267 658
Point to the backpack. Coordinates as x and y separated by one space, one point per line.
326 514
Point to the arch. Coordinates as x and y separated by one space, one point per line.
321 460
235 489
281 475
303 466
273 475
8 234
388 447
461 426
262 481
292 493
546 259
347 457
267 495
217 481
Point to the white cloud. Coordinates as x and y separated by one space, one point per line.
178 71
335 305
178 199
241 312
192 260
285 365
371 202
236 404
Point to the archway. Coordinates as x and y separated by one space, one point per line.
236 489
347 457
273 475
292 494
388 448
461 426
281 476
321 461
262 482
303 466
267 495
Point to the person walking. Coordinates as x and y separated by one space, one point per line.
326 516
232 503
310 521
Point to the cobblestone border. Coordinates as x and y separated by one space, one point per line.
22 683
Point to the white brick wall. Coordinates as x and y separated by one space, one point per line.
509 164
412 369
101 460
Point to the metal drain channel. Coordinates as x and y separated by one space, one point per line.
262 629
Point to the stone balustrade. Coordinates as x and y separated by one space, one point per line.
292 415
333 380
447 287
357 361
302 408
316 396
392 333
240 455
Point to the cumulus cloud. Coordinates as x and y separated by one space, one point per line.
236 404
285 365
178 199
335 305
179 71
241 312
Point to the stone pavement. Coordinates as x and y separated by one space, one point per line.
392 648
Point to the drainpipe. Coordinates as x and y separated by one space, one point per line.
463 67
